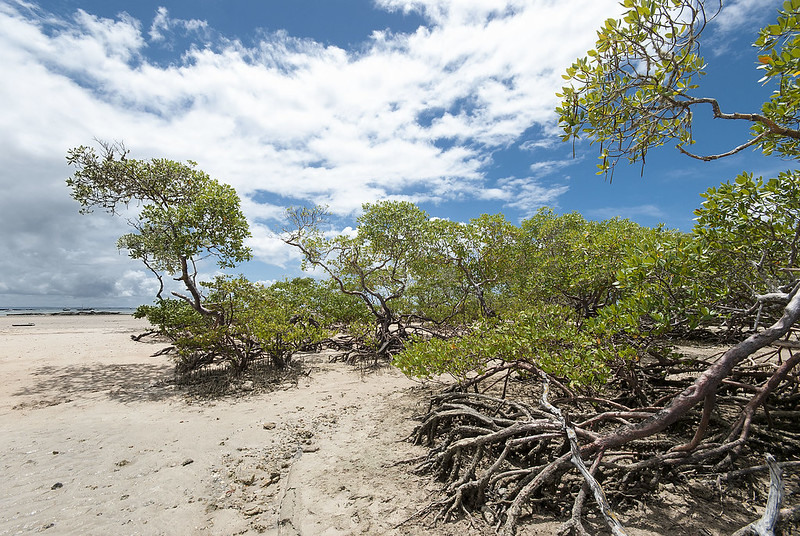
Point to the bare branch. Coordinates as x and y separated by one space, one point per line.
709 158
766 525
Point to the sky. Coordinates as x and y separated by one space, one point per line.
445 103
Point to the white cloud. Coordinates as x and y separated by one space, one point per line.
463 11
739 20
134 283
270 248
547 167
738 13
163 23
549 142
287 120
527 195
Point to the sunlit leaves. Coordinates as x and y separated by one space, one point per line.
474 260
756 221
183 213
628 94
668 283
546 336
256 322
570 260
181 216
377 265
745 243
635 90
779 58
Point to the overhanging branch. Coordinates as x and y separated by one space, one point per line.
709 158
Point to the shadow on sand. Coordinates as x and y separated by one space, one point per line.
123 383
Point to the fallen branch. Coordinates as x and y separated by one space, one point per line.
766 525
141 336
599 496
755 469
164 351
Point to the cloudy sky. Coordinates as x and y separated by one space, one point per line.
445 103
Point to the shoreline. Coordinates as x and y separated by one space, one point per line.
64 313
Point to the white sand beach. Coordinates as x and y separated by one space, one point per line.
92 443
95 442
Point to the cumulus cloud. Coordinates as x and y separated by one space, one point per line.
135 283
269 245
469 11
739 20
547 167
528 195
284 120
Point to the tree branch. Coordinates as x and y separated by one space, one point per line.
707 382
709 158
766 525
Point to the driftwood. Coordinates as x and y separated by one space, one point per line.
141 336
164 351
599 496
766 525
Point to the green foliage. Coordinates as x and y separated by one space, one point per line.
635 90
544 277
257 322
666 284
184 213
547 336
746 237
754 222
318 300
630 93
171 317
473 261
183 216
568 260
779 58
261 314
376 265
377 262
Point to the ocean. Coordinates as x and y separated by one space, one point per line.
9 311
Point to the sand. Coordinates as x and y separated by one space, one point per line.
95 441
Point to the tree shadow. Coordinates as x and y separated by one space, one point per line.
123 382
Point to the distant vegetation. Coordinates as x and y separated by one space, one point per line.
591 308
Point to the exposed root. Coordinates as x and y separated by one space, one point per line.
599 496
511 458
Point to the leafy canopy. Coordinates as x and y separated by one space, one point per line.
546 336
377 263
779 47
184 214
636 89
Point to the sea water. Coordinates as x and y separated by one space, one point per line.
8 311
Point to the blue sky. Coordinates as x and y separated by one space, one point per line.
445 103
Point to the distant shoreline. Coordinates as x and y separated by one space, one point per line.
65 313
